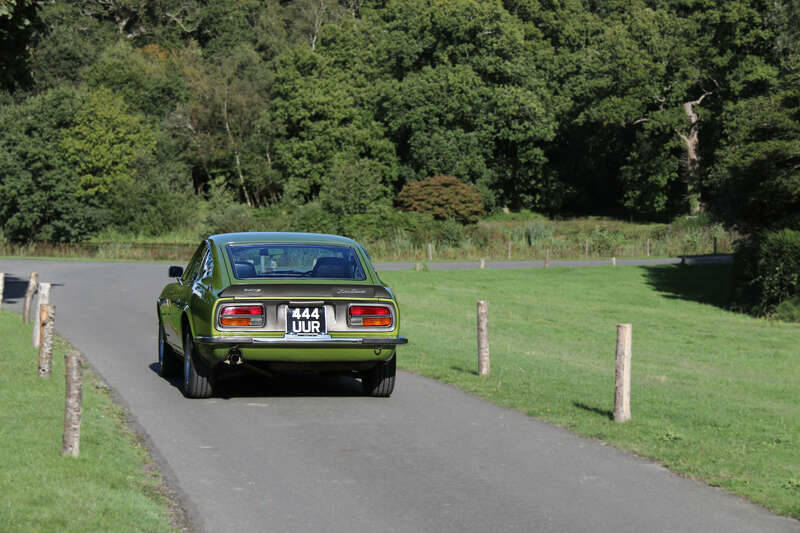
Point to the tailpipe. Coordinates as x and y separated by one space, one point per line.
234 357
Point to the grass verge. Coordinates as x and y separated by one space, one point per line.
714 393
112 486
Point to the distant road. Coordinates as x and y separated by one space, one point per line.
462 265
313 455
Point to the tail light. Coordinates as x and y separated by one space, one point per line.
369 316
250 316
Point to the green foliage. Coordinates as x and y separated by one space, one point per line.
104 144
18 19
606 241
353 187
312 217
515 216
161 202
468 99
443 197
322 118
326 111
39 194
651 177
771 270
225 215
69 40
146 79
788 311
537 232
757 181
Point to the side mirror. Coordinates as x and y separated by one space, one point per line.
175 271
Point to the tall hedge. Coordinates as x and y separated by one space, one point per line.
768 270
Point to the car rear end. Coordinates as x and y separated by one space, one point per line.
311 305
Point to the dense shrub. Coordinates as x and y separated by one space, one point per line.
225 215
443 197
789 310
39 192
606 241
768 270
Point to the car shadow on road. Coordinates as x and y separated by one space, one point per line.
705 283
257 386
14 289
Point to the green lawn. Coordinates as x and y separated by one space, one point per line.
715 396
108 488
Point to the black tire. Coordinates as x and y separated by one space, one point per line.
168 363
196 382
379 381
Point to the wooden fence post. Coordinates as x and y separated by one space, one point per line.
33 284
47 317
613 261
586 248
483 263
483 338
72 409
430 251
509 249
547 258
647 248
622 388
2 287
44 299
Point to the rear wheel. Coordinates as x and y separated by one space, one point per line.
379 381
196 382
168 364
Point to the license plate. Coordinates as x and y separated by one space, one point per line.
305 321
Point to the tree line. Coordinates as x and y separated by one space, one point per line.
133 114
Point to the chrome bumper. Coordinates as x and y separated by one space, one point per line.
291 341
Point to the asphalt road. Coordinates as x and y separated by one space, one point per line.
313 456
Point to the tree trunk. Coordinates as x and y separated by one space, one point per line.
232 144
691 142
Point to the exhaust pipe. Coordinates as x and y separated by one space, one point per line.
234 357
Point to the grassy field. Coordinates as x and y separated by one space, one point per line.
112 486
715 394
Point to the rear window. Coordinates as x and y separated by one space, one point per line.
295 261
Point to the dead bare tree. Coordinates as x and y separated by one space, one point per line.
318 15
691 143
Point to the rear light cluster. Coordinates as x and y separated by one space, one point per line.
241 315
369 316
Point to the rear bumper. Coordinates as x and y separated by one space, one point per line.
289 341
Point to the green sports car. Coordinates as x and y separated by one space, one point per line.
275 303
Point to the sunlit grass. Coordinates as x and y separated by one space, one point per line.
106 489
714 392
